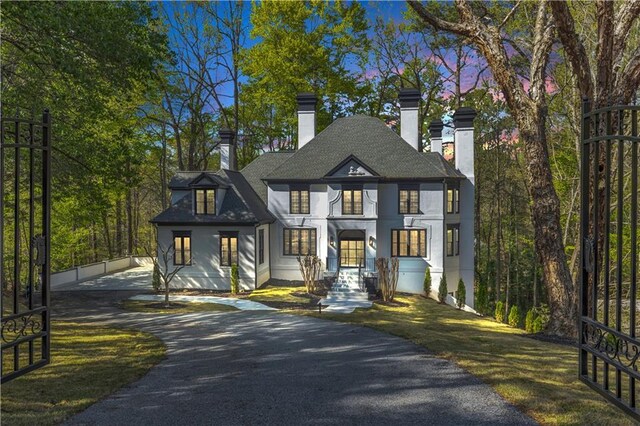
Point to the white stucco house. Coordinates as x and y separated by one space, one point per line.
351 193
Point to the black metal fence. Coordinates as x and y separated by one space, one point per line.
25 169
608 326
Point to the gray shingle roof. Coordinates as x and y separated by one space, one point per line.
259 168
372 142
241 205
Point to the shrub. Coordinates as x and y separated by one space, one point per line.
461 294
442 290
542 318
427 282
235 279
514 316
499 313
155 281
482 299
529 319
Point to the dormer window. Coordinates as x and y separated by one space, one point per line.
205 201
299 200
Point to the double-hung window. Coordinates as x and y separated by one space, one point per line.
453 200
299 242
205 201
182 248
351 200
299 200
228 248
409 200
408 243
453 240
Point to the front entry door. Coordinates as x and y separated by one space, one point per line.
351 253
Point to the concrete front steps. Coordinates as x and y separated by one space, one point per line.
345 294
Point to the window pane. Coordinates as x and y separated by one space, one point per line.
457 240
403 243
295 202
295 241
357 202
199 201
404 201
304 242
312 242
413 202
414 243
457 201
177 251
394 243
347 206
211 202
423 243
450 242
304 202
287 241
224 251
234 250
450 201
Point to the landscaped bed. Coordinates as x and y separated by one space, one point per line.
538 377
88 363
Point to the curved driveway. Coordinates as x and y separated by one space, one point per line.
255 368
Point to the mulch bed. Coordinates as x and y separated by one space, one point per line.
552 339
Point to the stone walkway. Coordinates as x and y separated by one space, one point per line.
241 304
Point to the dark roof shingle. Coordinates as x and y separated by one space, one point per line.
372 142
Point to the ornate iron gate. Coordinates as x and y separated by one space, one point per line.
25 169
608 327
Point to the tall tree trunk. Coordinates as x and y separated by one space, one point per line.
119 226
107 236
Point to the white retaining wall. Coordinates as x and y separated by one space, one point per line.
86 272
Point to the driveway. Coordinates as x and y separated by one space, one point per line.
246 368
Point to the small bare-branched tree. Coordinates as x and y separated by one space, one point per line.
310 267
163 265
388 277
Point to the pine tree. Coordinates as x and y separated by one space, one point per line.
461 294
427 282
235 279
514 316
442 290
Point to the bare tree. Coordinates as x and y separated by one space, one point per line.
529 111
310 268
162 263
388 277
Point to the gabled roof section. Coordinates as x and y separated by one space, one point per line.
370 141
259 168
191 179
351 167
241 206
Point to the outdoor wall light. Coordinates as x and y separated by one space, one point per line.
332 242
372 242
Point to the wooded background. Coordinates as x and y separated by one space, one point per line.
138 91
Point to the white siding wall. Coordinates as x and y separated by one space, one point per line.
205 270
411 275
286 267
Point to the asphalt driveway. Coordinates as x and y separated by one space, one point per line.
259 368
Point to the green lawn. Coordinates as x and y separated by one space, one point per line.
176 307
88 363
539 378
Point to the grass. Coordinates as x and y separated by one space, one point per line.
539 378
175 307
286 298
88 363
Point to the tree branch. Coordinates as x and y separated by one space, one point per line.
573 47
437 23
542 43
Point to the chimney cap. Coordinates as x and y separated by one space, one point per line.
463 117
409 97
226 136
435 128
307 101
